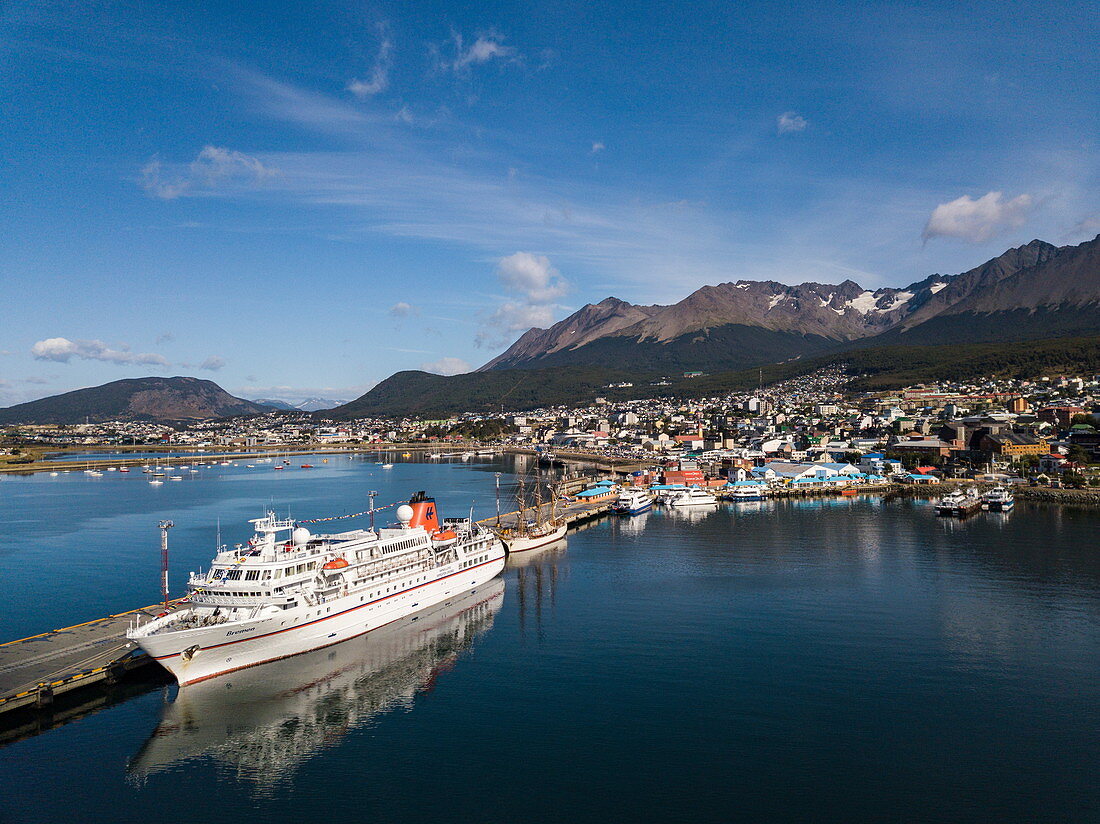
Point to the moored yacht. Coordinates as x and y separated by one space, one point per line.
958 504
692 496
998 499
632 502
288 591
748 491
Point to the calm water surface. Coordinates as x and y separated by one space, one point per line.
839 660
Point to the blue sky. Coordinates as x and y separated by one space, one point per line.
299 199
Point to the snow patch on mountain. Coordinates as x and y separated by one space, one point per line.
864 303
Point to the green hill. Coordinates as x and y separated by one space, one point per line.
877 368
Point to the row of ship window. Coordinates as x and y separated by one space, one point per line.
473 561
238 574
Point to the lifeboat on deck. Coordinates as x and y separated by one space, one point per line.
334 564
445 537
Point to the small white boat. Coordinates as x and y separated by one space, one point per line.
958 504
663 496
156 482
632 502
998 499
53 474
387 466
748 491
693 496
175 477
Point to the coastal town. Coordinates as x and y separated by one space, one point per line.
797 433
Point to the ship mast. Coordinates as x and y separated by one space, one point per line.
164 527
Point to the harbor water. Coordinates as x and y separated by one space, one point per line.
826 660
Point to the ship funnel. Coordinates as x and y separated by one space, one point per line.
424 513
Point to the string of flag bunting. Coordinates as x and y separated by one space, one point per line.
353 515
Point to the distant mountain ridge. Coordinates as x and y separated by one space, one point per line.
308 405
166 400
743 323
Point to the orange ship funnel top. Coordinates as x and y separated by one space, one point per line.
424 513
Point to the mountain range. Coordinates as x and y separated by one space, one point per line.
1033 292
178 399
308 405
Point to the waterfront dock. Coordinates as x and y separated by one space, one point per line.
35 671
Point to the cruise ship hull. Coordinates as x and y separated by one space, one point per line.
198 654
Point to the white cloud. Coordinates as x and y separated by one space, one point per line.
403 310
598 147
379 78
63 350
531 276
485 48
500 328
212 363
790 122
213 166
977 220
447 366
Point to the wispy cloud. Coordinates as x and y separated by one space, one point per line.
296 105
484 49
597 147
789 122
378 80
63 350
977 220
401 309
213 167
213 363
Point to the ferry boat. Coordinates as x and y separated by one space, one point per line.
958 504
693 496
998 499
288 591
632 502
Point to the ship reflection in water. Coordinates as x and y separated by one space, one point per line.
266 721
537 577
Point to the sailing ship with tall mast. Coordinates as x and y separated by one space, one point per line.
547 527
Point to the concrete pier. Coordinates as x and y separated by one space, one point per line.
36 670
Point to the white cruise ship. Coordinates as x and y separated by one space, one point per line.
276 718
280 596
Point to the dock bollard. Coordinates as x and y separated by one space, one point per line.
44 696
